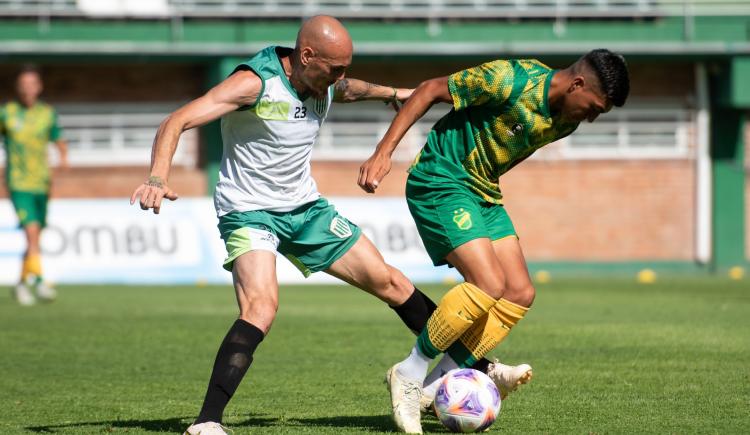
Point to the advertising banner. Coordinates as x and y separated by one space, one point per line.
110 241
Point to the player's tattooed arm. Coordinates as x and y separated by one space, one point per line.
350 90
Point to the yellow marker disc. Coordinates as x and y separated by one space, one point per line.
646 276
542 277
736 273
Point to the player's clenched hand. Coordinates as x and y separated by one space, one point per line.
372 172
151 194
399 97
403 94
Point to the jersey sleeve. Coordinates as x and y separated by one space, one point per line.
55 132
489 83
2 121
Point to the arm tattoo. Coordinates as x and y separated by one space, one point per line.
339 89
154 181
355 90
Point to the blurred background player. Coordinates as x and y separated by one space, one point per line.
28 126
503 111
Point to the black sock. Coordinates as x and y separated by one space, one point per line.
415 311
482 365
232 361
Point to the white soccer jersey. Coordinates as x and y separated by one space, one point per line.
267 147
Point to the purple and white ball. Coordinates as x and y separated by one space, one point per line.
467 401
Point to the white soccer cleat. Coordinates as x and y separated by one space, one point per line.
23 295
46 292
405 399
207 428
508 378
425 403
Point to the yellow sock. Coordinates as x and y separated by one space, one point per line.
457 311
32 265
486 333
25 269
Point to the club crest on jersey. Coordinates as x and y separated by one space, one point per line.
462 219
516 129
340 228
319 106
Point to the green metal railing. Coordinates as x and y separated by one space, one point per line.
407 9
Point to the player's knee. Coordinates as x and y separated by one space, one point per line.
493 286
522 295
260 311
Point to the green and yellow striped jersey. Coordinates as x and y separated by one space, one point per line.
500 117
26 133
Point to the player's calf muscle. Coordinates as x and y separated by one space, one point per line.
400 288
391 293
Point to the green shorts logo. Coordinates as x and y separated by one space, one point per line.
462 219
340 228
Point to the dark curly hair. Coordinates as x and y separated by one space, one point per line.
612 72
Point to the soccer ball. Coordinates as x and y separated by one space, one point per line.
467 401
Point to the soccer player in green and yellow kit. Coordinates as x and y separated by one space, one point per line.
502 112
27 126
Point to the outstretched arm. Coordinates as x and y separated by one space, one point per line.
240 89
351 90
379 164
62 149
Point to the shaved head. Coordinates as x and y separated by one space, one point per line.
321 55
326 36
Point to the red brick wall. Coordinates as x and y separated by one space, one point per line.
578 210
116 182
603 210
575 210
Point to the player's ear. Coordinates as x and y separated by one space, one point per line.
306 55
578 82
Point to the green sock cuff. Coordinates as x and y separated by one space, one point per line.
461 355
425 345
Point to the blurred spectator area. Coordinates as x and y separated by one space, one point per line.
375 8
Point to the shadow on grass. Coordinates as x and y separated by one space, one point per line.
370 423
176 424
380 423
173 425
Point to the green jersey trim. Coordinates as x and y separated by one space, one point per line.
282 74
266 64
545 99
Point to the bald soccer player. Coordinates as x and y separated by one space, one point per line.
271 110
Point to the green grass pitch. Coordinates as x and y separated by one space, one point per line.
608 356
